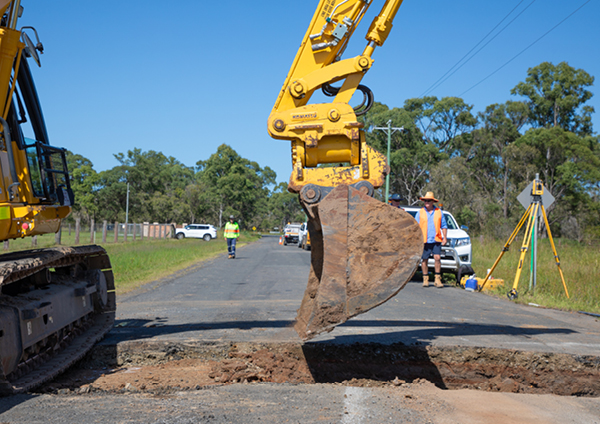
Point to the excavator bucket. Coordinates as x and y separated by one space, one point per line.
363 252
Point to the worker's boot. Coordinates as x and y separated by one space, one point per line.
426 281
230 256
438 281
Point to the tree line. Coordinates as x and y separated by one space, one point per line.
475 163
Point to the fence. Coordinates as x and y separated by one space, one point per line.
106 232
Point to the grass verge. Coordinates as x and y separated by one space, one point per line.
579 265
137 263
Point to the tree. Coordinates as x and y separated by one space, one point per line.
441 121
156 187
283 207
236 186
485 150
557 95
84 183
567 163
411 158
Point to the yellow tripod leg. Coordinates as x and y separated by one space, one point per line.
513 294
556 258
506 246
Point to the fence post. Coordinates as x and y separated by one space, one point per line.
143 227
69 228
77 228
134 230
58 236
104 225
116 231
6 245
125 232
34 241
92 230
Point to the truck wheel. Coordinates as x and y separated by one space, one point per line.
180 236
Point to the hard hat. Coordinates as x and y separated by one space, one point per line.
230 216
395 197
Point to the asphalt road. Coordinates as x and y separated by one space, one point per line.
255 297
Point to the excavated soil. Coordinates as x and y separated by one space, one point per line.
159 368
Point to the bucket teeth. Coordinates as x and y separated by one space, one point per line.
363 252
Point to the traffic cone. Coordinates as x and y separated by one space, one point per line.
280 240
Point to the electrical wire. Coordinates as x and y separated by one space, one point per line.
525 49
452 71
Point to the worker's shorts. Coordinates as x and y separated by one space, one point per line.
429 249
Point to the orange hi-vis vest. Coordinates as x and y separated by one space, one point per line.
437 221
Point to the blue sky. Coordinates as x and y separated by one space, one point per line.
185 77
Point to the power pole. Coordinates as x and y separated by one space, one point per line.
389 130
127 206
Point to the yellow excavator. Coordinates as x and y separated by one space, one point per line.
54 303
363 252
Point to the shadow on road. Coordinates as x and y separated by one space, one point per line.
410 332
9 402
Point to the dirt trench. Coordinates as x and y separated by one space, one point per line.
163 367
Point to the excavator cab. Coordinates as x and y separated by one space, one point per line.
39 190
363 251
47 165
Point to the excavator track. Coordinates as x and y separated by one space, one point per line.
363 252
54 305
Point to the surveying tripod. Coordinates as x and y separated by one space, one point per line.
529 216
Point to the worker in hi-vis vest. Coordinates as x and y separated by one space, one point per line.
232 232
434 228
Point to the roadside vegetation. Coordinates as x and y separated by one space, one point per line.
140 262
579 264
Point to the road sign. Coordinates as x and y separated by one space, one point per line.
526 198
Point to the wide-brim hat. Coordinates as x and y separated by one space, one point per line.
429 196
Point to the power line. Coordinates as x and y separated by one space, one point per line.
452 72
525 49
474 47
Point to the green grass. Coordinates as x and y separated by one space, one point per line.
140 262
579 265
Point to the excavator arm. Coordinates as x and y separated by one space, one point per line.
362 251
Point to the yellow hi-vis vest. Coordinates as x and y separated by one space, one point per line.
437 221
232 230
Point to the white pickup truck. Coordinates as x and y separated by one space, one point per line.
456 255
291 233
304 238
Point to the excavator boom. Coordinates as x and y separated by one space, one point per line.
362 251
